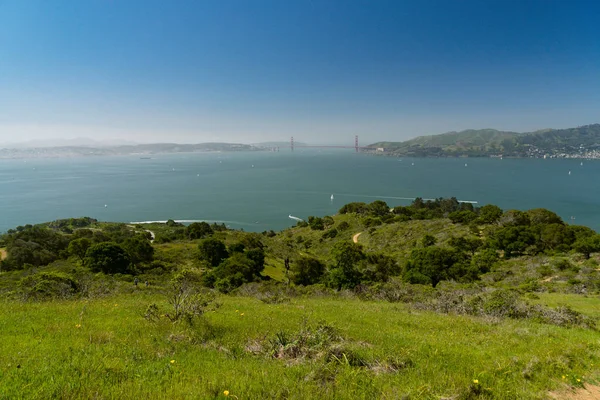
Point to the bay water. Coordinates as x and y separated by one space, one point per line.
258 191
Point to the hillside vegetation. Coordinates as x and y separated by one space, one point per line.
583 141
434 300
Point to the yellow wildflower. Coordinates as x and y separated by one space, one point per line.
226 392
563 377
475 381
116 304
578 380
237 310
172 361
78 326
241 314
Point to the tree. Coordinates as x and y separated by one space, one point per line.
489 214
514 218
107 257
466 244
139 249
513 240
379 208
380 268
428 240
307 270
213 251
316 223
345 273
587 245
462 217
432 265
541 216
78 247
198 230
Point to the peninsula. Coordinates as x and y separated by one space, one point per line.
580 142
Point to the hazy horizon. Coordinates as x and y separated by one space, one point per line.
249 72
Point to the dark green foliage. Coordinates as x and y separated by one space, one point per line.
343 226
513 240
466 244
379 268
316 223
556 236
378 208
78 247
306 270
541 216
198 230
139 249
357 207
434 264
328 221
237 248
330 233
484 261
489 214
587 245
514 218
32 245
234 272
213 251
47 286
462 217
107 257
345 272
428 240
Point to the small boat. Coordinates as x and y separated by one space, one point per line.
331 197
569 172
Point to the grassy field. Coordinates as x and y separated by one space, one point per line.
105 348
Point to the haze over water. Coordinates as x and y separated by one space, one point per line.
258 191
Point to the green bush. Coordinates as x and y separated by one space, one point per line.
48 286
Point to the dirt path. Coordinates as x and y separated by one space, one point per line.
355 237
2 254
589 392
152 235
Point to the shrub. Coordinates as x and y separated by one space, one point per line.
47 286
107 257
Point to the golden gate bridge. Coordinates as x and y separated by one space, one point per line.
356 147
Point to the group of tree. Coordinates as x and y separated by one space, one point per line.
110 249
229 268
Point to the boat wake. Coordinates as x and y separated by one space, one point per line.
295 218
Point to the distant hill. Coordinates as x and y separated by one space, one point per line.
583 141
141 149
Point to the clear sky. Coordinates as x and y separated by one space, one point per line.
320 70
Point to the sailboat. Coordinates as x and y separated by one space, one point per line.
331 197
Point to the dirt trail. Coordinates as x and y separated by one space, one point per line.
2 254
355 237
152 235
589 392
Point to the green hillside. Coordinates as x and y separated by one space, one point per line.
434 300
580 141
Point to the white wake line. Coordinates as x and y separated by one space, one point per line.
295 218
190 221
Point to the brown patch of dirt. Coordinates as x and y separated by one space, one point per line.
3 254
550 278
355 237
589 392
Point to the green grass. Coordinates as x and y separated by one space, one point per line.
116 353
586 305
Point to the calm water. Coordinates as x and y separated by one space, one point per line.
257 191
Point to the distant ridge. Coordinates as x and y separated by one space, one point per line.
137 149
583 141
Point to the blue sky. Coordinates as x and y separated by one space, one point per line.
321 70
